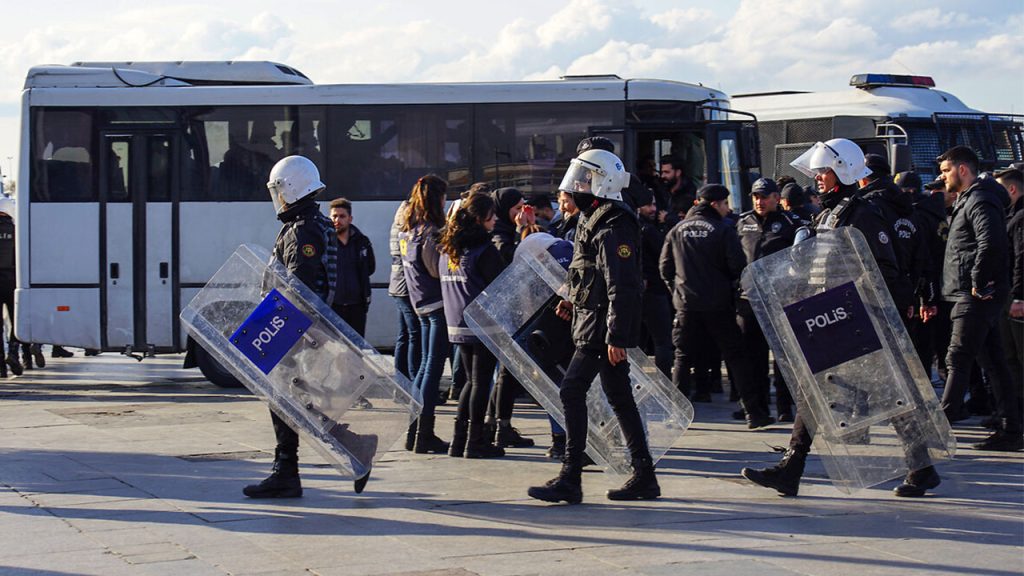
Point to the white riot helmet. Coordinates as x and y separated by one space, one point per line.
844 157
292 179
596 172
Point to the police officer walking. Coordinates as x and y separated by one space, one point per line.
700 263
605 288
764 230
837 165
306 247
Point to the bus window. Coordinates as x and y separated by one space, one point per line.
729 168
229 151
119 161
62 156
378 152
529 146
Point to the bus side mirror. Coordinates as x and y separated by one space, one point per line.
750 146
901 159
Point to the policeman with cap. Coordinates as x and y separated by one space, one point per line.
700 263
764 230
795 201
605 287
306 247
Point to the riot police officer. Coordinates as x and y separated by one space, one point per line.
605 288
305 246
837 166
764 230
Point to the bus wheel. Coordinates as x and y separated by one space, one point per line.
213 371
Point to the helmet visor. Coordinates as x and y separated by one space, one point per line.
580 177
819 157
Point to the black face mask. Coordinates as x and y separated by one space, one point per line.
584 201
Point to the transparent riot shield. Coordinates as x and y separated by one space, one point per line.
287 346
514 317
841 344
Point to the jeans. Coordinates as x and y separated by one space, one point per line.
408 351
434 346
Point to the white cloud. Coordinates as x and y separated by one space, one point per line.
686 20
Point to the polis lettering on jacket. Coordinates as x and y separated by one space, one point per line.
266 336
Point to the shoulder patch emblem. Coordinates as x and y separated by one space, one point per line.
883 237
308 250
625 251
776 226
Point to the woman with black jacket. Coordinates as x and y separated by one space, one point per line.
469 262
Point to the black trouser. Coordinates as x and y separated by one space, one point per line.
583 368
354 315
720 326
503 397
657 311
478 363
757 350
7 302
975 336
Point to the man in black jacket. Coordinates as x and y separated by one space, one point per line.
764 230
605 287
975 279
700 263
1013 322
356 264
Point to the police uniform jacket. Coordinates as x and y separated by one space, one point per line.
763 236
419 260
844 207
463 280
605 283
977 252
909 246
307 248
701 260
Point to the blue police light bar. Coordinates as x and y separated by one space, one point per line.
871 80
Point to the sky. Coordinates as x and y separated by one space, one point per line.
973 50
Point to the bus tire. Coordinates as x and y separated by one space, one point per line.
213 371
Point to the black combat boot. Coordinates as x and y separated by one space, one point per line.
458 446
362 449
784 476
283 481
566 487
60 352
918 482
410 435
426 441
12 359
509 437
642 485
478 445
1002 440
37 353
557 450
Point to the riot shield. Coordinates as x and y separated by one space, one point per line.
840 342
514 317
287 346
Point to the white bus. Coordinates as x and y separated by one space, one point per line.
140 178
901 117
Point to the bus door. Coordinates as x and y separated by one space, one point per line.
138 194
732 151
685 144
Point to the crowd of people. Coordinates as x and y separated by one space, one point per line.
655 263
